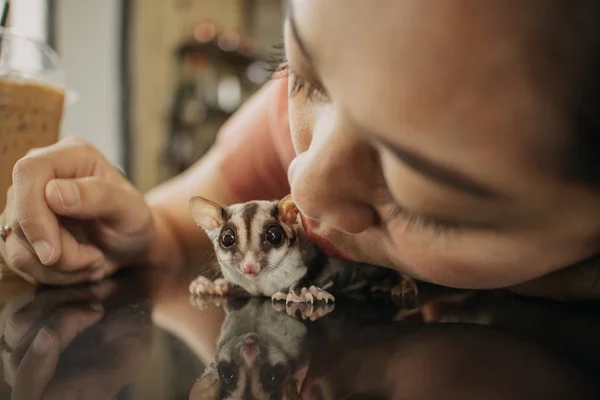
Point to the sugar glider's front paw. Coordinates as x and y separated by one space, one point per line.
406 287
304 295
305 310
202 285
206 301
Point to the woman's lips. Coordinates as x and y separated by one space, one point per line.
323 244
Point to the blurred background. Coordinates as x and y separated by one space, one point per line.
155 79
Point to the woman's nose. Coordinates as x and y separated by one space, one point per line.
331 182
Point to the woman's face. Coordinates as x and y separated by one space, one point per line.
429 137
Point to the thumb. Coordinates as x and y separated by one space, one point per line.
117 205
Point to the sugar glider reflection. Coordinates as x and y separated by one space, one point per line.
262 248
259 353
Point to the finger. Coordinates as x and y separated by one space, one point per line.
37 367
75 255
123 208
15 304
68 158
15 254
21 259
67 323
5 220
98 381
29 318
9 367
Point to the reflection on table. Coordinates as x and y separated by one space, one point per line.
141 336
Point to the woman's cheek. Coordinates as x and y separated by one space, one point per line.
477 260
301 123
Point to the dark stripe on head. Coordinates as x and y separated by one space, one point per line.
226 215
293 238
248 214
275 210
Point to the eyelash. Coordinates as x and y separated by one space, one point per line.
280 68
413 221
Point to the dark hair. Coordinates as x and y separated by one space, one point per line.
584 159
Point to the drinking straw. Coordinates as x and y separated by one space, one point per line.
4 17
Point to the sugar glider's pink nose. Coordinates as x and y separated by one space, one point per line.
250 269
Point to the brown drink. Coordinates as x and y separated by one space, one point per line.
32 98
30 115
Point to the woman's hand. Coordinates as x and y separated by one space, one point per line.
73 216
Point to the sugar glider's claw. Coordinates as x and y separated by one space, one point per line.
307 295
279 296
203 302
407 287
305 310
221 287
202 286
321 294
304 297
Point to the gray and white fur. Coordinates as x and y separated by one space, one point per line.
259 352
262 248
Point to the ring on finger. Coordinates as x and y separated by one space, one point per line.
5 231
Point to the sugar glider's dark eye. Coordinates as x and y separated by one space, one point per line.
227 374
274 235
227 238
272 377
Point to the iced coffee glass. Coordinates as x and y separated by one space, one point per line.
32 97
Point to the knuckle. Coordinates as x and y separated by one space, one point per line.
20 259
92 187
24 167
78 143
73 141
33 151
24 223
8 204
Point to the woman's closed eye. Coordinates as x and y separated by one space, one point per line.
412 221
280 68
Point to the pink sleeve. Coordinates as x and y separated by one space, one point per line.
257 146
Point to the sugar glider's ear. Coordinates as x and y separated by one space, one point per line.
288 213
205 213
207 387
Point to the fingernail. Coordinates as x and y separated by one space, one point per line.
95 306
98 275
68 192
42 341
43 251
97 265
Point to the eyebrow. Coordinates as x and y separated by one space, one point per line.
295 32
443 175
